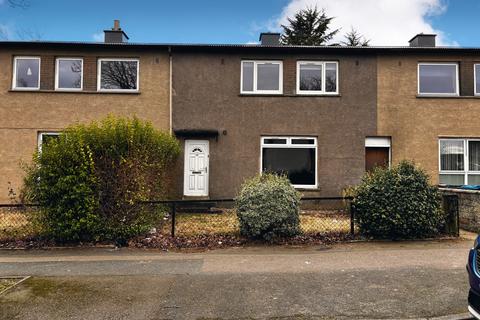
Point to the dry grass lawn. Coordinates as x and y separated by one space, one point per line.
226 223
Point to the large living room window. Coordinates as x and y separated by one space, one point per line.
295 157
118 75
261 77
26 73
438 79
69 74
317 77
460 161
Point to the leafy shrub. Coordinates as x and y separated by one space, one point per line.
398 203
268 207
90 180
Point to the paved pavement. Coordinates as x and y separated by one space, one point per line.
357 280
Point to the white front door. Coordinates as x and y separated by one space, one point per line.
196 168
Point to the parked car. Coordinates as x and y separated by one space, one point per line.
473 268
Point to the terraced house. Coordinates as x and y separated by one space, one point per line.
322 115
46 86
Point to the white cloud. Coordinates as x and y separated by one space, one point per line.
98 37
384 22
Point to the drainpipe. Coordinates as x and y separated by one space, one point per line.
170 102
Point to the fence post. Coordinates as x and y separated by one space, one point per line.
352 218
451 209
174 213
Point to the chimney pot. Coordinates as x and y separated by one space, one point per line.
116 25
423 40
269 39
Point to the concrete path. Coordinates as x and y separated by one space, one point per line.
359 280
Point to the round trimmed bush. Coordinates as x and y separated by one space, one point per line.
268 207
398 203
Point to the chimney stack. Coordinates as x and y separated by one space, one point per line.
116 34
423 40
269 39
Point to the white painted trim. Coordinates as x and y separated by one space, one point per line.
466 164
378 142
14 78
475 79
457 93
255 65
324 71
185 167
57 69
289 144
473 312
99 74
40 138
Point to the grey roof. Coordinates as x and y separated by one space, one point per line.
232 47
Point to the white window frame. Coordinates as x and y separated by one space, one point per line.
14 78
457 85
324 83
475 79
289 144
40 138
57 74
466 164
99 74
255 65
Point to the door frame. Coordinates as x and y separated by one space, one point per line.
187 144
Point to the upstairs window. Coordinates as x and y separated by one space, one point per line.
26 73
295 157
69 74
438 79
476 72
460 161
317 77
118 75
262 77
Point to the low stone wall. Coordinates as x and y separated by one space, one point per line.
468 208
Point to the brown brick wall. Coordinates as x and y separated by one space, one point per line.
24 114
415 124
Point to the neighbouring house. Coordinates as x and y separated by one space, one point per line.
241 109
322 115
46 86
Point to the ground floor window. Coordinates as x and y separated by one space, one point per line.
295 157
44 137
459 161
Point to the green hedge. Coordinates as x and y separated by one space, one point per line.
398 203
268 207
90 180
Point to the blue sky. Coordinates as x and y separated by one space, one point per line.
223 21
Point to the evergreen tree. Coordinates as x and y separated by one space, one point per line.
309 27
355 39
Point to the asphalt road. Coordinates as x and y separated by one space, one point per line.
359 281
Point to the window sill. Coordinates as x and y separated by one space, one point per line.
432 96
292 95
75 91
